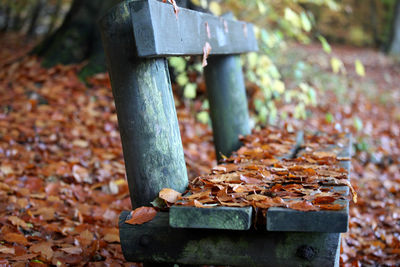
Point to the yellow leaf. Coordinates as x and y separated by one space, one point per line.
325 45
215 8
261 7
337 65
305 22
359 68
292 17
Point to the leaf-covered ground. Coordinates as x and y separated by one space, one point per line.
62 181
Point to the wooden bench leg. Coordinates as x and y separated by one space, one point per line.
228 102
147 117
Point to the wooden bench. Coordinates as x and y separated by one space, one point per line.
137 38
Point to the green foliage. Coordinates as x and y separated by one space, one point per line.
356 22
280 20
325 45
357 123
181 68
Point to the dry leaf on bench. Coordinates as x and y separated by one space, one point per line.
169 195
142 215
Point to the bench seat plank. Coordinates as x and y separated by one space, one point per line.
229 218
158 32
331 221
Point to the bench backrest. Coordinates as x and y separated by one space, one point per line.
137 38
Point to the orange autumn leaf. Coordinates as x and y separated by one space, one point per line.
323 200
169 195
16 238
142 215
330 206
302 206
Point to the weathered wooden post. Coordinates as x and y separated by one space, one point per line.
228 103
146 112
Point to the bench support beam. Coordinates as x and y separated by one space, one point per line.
156 242
228 103
147 117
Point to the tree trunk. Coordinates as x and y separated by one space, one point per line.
78 38
37 7
54 17
394 48
7 17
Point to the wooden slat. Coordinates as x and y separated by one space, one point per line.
156 241
158 32
281 219
229 218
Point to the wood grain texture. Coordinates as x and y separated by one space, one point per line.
228 218
327 221
158 32
147 118
156 241
228 102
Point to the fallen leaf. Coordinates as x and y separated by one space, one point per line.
169 195
16 238
142 215
111 238
7 250
72 250
18 222
43 248
206 51
250 180
85 238
323 200
302 206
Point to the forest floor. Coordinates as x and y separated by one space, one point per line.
62 176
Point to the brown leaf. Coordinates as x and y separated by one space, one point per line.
72 250
43 248
250 180
80 174
256 197
111 238
7 250
330 206
142 215
18 222
302 206
198 204
169 195
199 195
206 51
323 200
16 238
85 238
